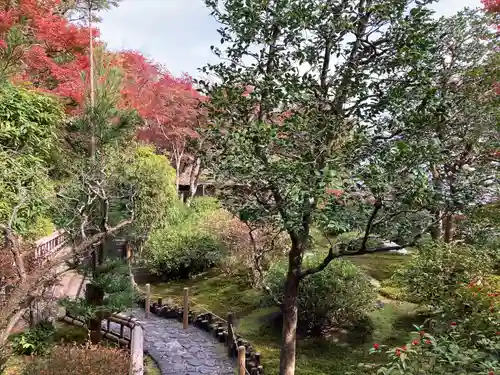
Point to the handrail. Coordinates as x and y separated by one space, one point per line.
49 245
134 341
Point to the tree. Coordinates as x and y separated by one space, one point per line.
78 10
321 76
438 153
43 48
29 132
170 108
29 123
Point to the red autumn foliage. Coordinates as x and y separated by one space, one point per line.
169 105
52 52
492 5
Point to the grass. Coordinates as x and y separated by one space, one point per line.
221 294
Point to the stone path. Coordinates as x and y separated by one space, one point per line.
182 352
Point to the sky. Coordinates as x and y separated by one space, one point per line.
178 33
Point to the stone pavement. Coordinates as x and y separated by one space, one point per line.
182 352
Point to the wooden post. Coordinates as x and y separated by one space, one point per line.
241 360
185 317
230 335
148 299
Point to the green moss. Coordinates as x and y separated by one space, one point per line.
150 366
69 334
380 266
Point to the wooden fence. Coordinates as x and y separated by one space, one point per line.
249 360
124 331
50 245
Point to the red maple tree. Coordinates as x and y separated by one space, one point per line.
169 106
42 47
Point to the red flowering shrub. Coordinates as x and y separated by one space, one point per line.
447 354
81 360
476 308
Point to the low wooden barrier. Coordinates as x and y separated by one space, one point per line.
126 332
249 360
49 245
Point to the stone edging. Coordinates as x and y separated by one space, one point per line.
214 325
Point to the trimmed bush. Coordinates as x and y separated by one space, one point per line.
181 250
340 295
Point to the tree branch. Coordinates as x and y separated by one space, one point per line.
369 225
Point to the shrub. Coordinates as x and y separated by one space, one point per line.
475 306
80 360
204 205
181 250
340 295
240 253
42 227
442 355
35 341
438 270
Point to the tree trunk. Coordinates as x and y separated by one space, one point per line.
92 85
436 228
289 309
289 334
14 246
94 296
11 323
193 178
177 173
448 224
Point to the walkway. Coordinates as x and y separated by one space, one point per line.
175 350
182 352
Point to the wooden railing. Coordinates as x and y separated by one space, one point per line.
124 331
49 245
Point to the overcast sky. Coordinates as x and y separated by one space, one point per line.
178 33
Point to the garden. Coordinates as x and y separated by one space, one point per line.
332 181
364 313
